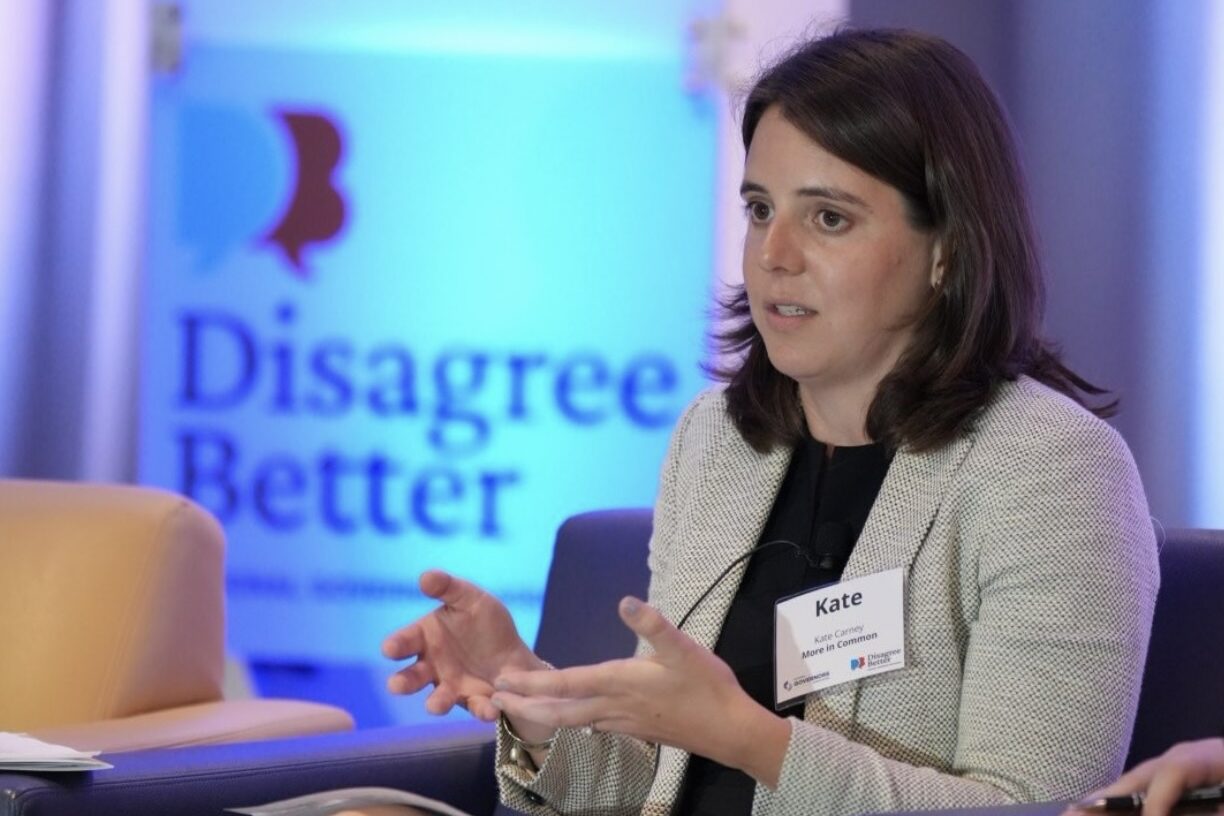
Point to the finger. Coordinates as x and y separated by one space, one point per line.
405 643
482 708
580 681
1133 781
412 679
552 712
1164 790
441 701
448 589
649 624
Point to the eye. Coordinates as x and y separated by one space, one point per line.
758 211
832 221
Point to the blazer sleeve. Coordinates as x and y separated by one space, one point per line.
1059 554
608 773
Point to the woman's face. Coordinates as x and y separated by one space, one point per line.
835 274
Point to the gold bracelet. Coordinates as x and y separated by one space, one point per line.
504 724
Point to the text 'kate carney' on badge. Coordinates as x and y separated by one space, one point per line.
838 633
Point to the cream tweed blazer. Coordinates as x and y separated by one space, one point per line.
1032 577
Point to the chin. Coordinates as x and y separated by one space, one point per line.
797 370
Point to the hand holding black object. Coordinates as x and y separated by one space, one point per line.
1164 779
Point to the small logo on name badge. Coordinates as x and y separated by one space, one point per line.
858 663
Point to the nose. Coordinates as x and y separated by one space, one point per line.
780 251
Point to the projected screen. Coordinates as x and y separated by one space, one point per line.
412 309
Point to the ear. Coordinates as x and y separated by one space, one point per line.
937 264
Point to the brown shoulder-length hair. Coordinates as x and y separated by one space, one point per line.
914 112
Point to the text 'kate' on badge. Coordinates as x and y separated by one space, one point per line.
838 633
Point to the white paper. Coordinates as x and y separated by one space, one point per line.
21 752
328 802
839 633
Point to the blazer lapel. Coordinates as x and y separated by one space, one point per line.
725 520
904 510
896 528
725 523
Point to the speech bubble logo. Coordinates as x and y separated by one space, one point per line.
228 176
316 209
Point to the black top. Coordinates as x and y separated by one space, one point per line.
821 506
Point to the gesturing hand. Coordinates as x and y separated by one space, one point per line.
460 647
682 695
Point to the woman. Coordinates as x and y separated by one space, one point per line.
893 406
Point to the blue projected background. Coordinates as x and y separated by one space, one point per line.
412 307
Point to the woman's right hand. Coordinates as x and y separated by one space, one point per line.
460 648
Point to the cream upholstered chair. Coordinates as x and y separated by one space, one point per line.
112 623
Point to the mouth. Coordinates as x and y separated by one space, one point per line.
790 310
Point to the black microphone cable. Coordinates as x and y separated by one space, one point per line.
812 562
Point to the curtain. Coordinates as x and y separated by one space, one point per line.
73 84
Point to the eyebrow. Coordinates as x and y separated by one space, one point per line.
832 193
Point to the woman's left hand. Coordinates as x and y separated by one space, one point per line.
682 695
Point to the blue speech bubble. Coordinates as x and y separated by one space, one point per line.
230 168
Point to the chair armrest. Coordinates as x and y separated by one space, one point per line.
201 724
450 761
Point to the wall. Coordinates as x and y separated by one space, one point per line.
1106 98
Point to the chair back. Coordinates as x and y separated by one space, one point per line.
112 617
111 603
599 558
1183 682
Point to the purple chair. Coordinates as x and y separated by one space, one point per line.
1183 683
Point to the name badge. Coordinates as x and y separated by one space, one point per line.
838 633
